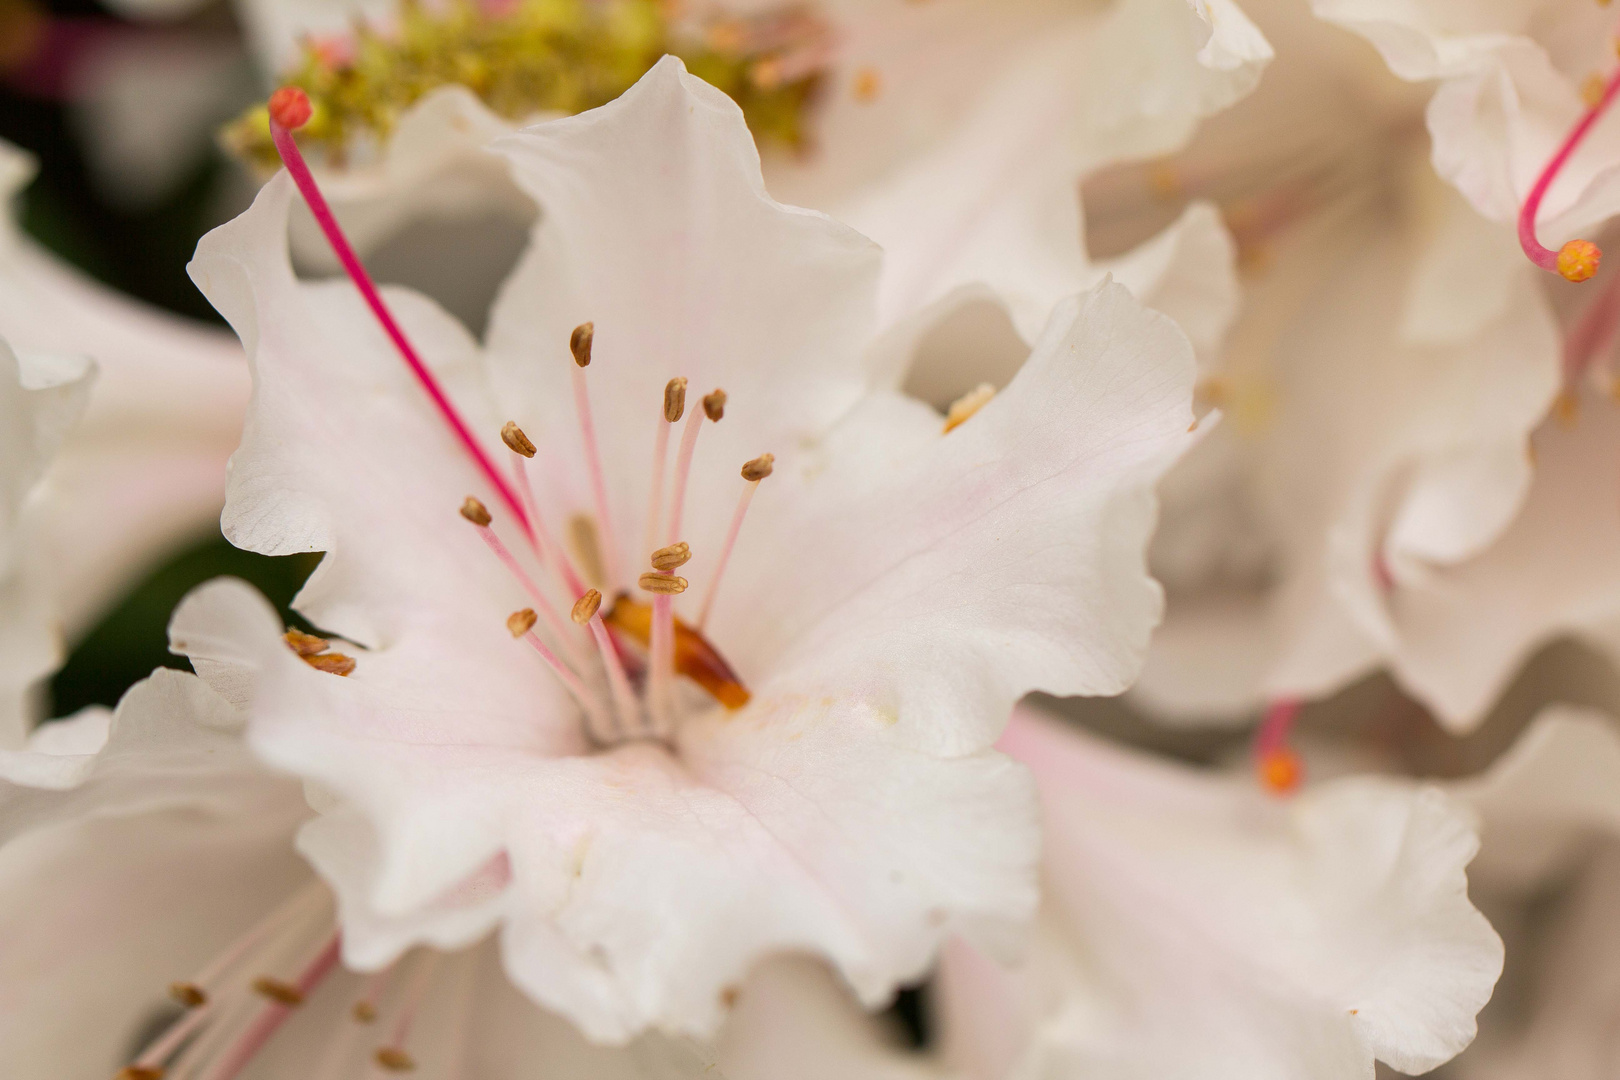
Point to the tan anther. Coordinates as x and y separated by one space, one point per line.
1164 182
521 622
1566 410
587 549
868 85
579 343
586 606
963 408
671 558
188 994
515 440
394 1059
759 468
714 405
364 1012
663 584
305 644
282 993
675 399
139 1072
475 511
333 663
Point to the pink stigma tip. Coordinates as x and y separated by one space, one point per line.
290 107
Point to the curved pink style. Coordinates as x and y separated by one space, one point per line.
1581 263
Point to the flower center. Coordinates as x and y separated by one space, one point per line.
585 655
527 57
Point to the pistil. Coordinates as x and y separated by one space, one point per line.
1278 766
1578 259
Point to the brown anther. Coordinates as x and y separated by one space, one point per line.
305 645
364 1012
1566 410
587 550
139 1072
579 343
394 1059
475 511
675 399
282 993
663 584
759 468
516 441
714 405
867 86
586 606
671 558
963 408
188 994
521 622
333 663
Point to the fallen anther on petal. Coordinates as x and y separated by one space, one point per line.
475 512
672 557
333 663
521 622
585 607
663 584
188 994
282 993
516 441
759 468
714 405
305 645
394 1059
675 399
579 343
963 408
364 1012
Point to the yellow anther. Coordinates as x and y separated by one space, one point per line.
672 557
475 512
963 408
333 663
1578 260
675 399
394 1059
586 606
516 441
714 405
759 468
521 622
867 86
579 343
304 645
280 992
663 584
188 994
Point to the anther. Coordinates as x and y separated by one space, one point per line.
290 107
282 993
521 622
333 663
586 606
139 1072
305 645
475 512
963 408
364 1012
759 468
188 994
714 405
516 441
579 343
868 84
675 399
672 557
394 1059
662 584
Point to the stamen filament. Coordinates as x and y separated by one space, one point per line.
596 718
683 469
628 709
725 551
293 159
593 463
542 604
655 501
546 546
661 664
178 1032
393 1056
1578 259
273 1014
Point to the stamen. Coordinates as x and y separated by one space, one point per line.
662 584
683 463
305 644
582 537
753 472
1278 766
1578 259
188 994
289 110
313 651
521 625
714 405
585 607
624 696
674 399
474 511
579 343
672 557
674 406
393 1056
516 441
545 545
138 1072
963 408
276 990
332 663
275 1013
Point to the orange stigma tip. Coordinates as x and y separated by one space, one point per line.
1281 771
290 107
1578 260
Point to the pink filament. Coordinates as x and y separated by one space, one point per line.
593 462
572 682
1276 725
683 469
287 147
1593 332
546 545
624 698
542 605
274 1014
655 500
725 551
1545 257
661 662
178 1032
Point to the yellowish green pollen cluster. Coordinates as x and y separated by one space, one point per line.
534 56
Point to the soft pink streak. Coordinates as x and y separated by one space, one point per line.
274 1014
593 463
543 605
624 698
287 147
656 499
1545 257
725 550
683 469
575 686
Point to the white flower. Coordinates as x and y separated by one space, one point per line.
894 591
1194 926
